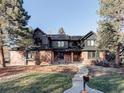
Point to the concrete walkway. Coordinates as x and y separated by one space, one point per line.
78 82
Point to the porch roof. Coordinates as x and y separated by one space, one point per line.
67 50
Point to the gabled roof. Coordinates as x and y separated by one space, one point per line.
38 33
87 35
75 37
38 29
59 37
64 37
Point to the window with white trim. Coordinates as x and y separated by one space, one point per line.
90 42
60 43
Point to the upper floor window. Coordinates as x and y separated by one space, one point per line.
91 43
60 43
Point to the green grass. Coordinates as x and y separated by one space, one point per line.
113 83
38 83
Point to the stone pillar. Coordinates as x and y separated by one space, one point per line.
72 56
84 56
46 57
17 58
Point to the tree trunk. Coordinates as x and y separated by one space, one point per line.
37 58
2 57
26 56
117 59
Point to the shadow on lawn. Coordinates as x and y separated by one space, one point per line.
12 70
37 83
109 83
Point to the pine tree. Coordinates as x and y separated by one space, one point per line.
108 37
3 34
15 19
112 11
61 31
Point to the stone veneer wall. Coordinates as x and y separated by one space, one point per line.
46 56
86 61
84 56
17 58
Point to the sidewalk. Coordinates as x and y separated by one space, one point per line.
77 82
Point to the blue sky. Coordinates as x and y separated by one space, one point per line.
77 17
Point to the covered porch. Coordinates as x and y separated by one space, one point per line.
67 56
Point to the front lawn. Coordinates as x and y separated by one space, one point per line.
111 83
38 83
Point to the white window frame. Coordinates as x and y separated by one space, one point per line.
60 43
90 42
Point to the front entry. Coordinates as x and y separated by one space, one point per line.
66 57
59 56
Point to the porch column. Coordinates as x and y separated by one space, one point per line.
72 54
52 57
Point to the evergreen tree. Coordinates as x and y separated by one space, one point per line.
2 61
108 37
14 18
61 31
112 11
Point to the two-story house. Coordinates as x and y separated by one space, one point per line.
58 48
65 48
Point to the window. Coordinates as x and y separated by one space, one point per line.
88 43
60 43
91 54
91 43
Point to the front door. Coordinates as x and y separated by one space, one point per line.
59 56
